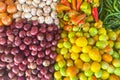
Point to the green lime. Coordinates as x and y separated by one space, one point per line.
85 57
101 44
61 63
60 45
93 31
88 73
82 76
103 37
111 69
67 44
71 34
63 71
98 74
64 51
63 34
56 67
76 28
116 55
116 62
104 65
112 35
74 78
117 45
117 71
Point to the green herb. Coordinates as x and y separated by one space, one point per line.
109 13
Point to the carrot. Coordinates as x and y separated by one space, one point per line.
62 8
78 4
65 2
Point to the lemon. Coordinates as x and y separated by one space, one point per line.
81 42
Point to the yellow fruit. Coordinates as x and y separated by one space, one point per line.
95 67
57 75
78 63
76 49
95 55
81 42
105 75
74 56
86 49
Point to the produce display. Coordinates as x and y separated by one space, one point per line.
59 40
7 9
27 50
43 11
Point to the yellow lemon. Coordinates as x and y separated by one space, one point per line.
81 42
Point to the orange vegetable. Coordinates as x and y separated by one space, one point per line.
107 57
9 2
71 71
74 4
68 28
78 4
61 7
65 2
77 19
1 24
11 8
3 15
7 20
72 13
2 7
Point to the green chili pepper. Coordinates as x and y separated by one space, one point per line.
86 8
65 17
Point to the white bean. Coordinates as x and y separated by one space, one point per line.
44 0
53 5
34 4
17 15
29 2
37 1
33 11
34 18
54 14
41 19
19 7
56 21
23 15
47 9
26 8
21 1
27 15
55 0
42 4
39 12
46 14
48 20
48 2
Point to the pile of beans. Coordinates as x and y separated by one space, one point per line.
7 8
28 50
42 10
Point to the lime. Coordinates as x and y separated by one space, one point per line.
93 31
85 57
98 74
88 73
117 71
67 44
117 45
63 71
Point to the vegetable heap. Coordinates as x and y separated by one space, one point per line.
74 13
109 13
86 50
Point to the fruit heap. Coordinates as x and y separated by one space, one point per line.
86 50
